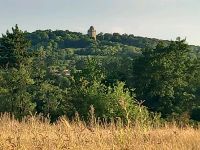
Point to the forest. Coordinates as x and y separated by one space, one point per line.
57 73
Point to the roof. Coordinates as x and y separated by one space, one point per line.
91 28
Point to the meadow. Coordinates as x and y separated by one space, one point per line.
36 133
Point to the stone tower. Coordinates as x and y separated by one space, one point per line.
92 32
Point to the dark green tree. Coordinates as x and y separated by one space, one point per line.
162 78
16 80
15 96
14 49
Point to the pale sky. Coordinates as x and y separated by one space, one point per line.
163 19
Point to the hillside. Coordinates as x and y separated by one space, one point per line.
67 39
57 73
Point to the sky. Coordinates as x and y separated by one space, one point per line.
162 19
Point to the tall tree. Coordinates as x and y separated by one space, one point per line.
14 48
16 80
162 78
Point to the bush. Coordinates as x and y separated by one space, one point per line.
109 102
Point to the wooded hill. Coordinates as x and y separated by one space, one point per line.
62 72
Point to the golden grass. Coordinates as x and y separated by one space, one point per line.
33 134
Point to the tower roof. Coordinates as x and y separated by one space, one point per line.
91 28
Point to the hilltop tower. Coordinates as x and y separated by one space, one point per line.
92 33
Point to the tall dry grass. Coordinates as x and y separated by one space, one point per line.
33 134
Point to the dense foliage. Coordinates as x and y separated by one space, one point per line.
58 73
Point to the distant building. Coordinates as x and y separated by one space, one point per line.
92 33
66 72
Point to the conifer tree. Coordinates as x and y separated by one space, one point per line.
14 47
15 75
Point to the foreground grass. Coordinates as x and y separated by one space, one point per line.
33 134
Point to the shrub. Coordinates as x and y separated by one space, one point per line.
109 102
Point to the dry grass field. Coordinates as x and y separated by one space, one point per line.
33 134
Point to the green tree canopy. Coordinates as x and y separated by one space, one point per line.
162 77
14 48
